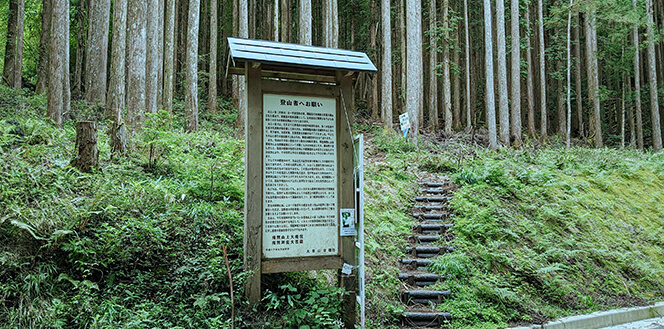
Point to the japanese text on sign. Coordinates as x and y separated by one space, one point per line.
299 176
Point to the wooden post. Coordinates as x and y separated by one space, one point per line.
86 146
253 190
346 189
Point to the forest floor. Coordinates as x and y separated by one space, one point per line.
541 232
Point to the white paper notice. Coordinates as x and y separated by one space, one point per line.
348 222
299 176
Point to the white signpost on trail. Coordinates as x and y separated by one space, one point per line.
404 120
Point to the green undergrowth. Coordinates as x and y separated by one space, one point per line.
141 242
540 233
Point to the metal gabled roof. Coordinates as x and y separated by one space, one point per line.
298 56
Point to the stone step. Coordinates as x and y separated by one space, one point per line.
433 191
416 264
431 216
419 279
433 198
425 319
429 208
428 239
435 184
423 296
430 228
428 251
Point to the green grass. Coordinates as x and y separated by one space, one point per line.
137 243
540 234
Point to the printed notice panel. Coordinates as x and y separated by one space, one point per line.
300 216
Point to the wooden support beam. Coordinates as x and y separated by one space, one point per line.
253 192
301 264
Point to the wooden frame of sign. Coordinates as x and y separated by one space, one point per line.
265 254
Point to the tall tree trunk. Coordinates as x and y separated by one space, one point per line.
593 77
469 122
569 77
577 80
81 45
160 55
637 84
115 102
652 78
414 64
503 101
96 51
305 22
275 22
152 60
243 32
285 20
136 58
191 92
490 102
433 78
42 66
542 60
66 92
386 67
212 90
57 62
447 92
13 67
457 84
169 55
516 73
331 24
529 80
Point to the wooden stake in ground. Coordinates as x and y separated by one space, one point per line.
86 146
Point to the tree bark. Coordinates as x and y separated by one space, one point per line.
457 84
191 92
529 81
569 77
305 22
81 46
243 31
637 85
57 62
152 57
652 78
86 147
490 102
503 101
169 56
136 64
285 20
542 60
447 91
414 64
577 80
516 73
433 78
593 77
115 102
331 24
13 66
42 66
96 51
386 67
469 122
212 89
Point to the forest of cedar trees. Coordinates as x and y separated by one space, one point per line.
583 71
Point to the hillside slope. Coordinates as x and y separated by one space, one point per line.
539 233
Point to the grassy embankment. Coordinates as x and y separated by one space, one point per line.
139 243
540 233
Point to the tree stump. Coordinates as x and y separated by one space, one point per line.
86 146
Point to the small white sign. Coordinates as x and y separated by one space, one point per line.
348 222
347 269
404 119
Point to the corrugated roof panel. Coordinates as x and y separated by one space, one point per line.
294 55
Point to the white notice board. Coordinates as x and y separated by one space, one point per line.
300 205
